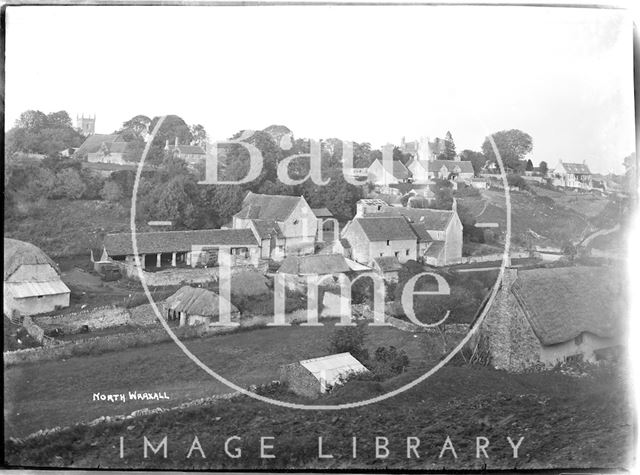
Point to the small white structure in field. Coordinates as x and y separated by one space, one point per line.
317 375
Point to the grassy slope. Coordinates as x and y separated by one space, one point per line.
565 422
68 227
49 394
555 224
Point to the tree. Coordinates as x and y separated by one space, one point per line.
173 127
512 144
349 340
36 132
199 135
111 191
59 120
529 166
544 168
477 160
449 148
32 121
138 124
69 184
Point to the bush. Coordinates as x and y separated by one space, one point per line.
388 362
349 340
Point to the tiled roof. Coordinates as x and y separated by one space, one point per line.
433 219
197 301
314 265
576 168
93 143
383 228
562 303
421 232
268 207
177 241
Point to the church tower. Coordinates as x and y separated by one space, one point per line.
86 125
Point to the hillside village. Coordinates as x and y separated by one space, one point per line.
428 210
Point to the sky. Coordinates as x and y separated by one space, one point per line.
368 74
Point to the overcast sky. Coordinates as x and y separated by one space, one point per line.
370 74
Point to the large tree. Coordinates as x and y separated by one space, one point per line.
37 132
449 149
513 145
477 160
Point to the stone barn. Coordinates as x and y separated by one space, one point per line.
552 315
32 281
195 306
316 376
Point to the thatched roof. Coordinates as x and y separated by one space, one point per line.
18 253
196 301
562 303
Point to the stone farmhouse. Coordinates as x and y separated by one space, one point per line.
284 225
424 171
192 154
427 235
381 173
572 175
548 316
200 248
103 148
32 283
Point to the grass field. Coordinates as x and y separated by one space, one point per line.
49 394
564 421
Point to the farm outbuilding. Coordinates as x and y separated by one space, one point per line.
194 306
32 281
541 317
318 375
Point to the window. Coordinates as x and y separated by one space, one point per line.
379 207
388 242
407 253
381 254
295 221
396 253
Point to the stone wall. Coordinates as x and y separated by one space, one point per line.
34 330
184 275
300 380
94 319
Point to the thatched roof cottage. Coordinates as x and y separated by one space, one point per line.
548 316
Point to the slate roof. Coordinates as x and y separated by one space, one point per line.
314 265
268 207
562 303
398 170
322 212
177 241
93 143
434 249
387 263
267 228
383 228
576 168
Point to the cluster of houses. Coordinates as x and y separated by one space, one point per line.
276 227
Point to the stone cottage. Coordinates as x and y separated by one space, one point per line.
285 225
551 315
